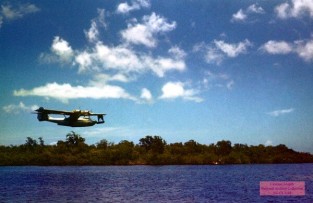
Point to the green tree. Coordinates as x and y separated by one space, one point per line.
223 148
176 148
152 149
103 144
41 141
73 139
123 152
153 144
192 147
30 142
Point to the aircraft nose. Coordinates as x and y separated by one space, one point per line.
40 109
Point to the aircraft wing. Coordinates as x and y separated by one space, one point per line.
96 114
50 111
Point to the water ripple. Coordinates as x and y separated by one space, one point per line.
231 183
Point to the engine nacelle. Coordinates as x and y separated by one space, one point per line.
42 117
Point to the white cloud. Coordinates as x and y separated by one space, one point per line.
254 8
124 8
64 92
93 33
242 14
161 65
173 90
139 34
125 60
177 52
61 52
84 61
303 48
223 80
146 95
218 50
10 12
213 55
280 112
103 78
121 78
21 107
281 10
97 88
277 47
239 16
101 19
145 33
62 49
114 63
295 9
121 59
233 50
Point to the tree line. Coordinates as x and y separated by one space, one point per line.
151 150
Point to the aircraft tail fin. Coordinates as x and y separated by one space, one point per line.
100 119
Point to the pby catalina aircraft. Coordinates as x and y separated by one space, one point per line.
75 118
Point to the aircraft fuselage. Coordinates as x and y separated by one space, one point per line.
81 122
75 118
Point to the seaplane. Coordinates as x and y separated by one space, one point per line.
75 118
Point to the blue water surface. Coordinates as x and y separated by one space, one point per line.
221 183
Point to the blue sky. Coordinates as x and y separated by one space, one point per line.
202 70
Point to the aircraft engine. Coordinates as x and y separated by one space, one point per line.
42 117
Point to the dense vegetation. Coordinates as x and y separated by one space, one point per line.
150 150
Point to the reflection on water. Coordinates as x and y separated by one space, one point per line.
230 183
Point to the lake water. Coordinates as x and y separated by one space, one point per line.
229 183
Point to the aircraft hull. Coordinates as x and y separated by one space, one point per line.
77 124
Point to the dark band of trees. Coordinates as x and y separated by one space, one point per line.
151 150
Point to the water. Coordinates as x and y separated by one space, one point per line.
230 183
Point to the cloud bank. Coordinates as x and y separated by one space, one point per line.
294 9
9 12
219 50
303 48
64 92
119 63
21 107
